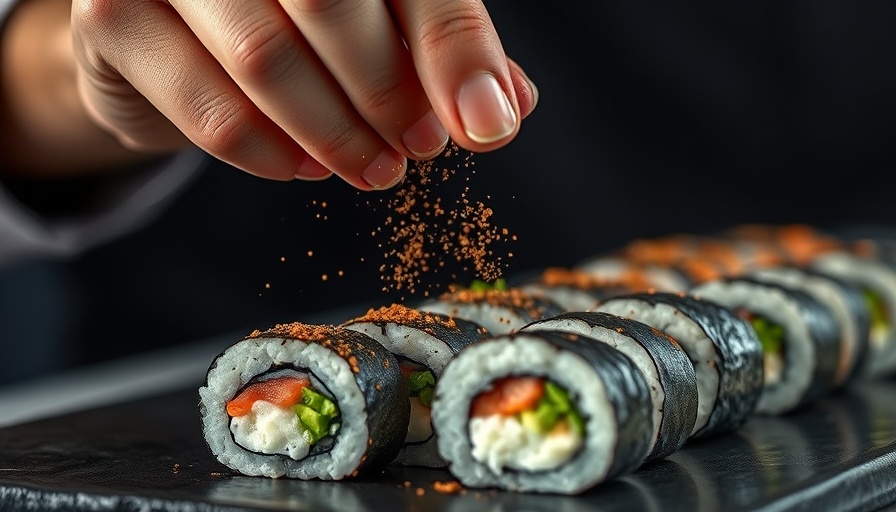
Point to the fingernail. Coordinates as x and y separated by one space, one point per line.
427 137
385 170
534 93
485 111
312 170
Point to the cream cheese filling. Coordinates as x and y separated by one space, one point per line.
271 430
502 442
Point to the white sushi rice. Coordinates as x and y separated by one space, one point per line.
664 279
414 344
799 349
627 346
497 319
248 359
693 340
882 279
471 372
568 297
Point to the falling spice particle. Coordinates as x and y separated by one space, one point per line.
267 286
426 229
283 259
432 228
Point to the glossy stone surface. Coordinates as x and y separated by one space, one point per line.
837 455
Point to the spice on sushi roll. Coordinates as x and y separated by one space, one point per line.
304 401
423 343
576 290
724 350
543 411
699 258
663 278
669 373
797 244
500 310
847 305
799 337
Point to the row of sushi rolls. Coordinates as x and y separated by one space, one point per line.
569 378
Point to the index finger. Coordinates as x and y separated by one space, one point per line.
463 68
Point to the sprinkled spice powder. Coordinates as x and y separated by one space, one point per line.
401 314
431 230
425 231
298 330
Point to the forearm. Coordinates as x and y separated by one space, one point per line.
46 132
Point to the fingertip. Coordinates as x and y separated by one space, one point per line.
385 171
312 170
426 138
321 177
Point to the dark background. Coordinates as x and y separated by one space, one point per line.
653 118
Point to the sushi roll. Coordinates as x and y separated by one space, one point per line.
423 343
658 277
304 401
542 411
725 353
876 277
697 257
500 311
669 373
796 244
799 338
575 290
847 305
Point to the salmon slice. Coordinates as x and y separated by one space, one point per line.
280 391
508 396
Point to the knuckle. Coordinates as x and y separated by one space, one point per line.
337 138
453 22
261 48
220 124
381 95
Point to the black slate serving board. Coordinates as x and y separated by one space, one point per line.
146 455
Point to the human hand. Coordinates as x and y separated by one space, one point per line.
302 88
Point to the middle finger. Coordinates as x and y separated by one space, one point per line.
374 67
265 54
